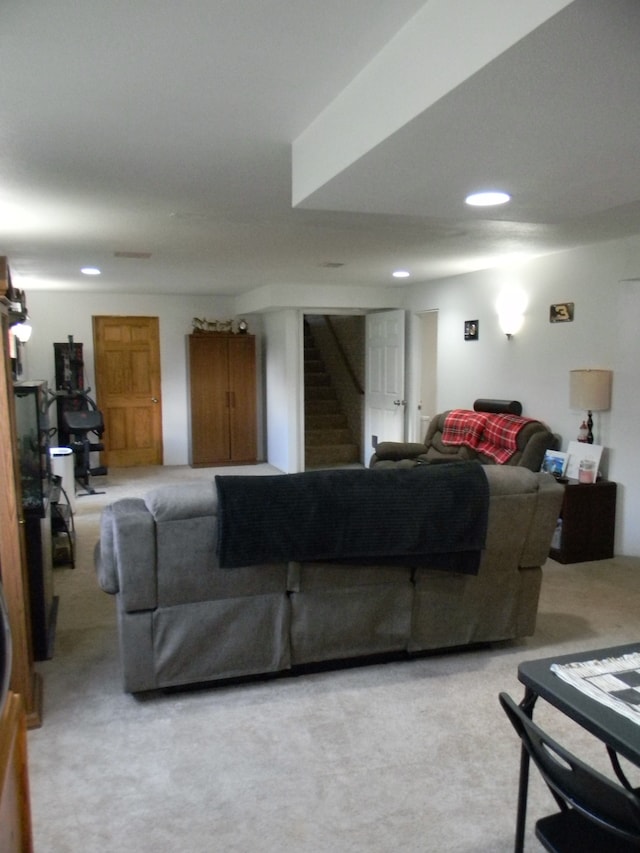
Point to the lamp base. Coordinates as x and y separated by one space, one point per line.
589 427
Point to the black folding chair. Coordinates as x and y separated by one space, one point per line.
597 815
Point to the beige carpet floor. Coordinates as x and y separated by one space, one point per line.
411 756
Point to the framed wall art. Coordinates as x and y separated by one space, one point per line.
471 330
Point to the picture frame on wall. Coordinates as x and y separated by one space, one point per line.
471 330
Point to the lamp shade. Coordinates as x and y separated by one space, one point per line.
590 390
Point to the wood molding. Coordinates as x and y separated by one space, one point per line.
15 803
13 566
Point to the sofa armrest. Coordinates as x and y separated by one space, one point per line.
125 557
536 447
544 521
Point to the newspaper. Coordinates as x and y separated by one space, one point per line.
614 682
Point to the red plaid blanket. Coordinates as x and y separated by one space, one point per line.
462 426
500 437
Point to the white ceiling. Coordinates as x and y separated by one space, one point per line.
167 128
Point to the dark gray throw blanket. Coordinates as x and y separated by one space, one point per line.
424 516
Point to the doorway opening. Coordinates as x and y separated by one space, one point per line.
334 381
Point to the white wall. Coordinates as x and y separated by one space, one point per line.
283 363
534 365
55 316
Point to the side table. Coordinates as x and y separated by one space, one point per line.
588 518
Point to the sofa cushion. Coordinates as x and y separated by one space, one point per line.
188 569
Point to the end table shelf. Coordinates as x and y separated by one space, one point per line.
62 526
588 517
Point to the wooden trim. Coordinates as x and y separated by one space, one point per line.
15 803
13 564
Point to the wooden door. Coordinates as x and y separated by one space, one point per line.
209 395
242 400
127 364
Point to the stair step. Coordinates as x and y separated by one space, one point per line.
324 437
325 420
314 368
321 407
314 379
319 392
333 455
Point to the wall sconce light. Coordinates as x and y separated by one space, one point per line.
22 330
18 317
511 306
590 390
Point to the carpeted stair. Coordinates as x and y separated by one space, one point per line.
328 439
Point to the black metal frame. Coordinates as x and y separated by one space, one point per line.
592 806
617 733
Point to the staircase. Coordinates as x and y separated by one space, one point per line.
328 439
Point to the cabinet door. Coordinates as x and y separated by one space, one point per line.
208 381
242 398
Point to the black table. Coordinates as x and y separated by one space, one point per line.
620 735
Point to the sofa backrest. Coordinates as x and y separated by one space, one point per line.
161 551
532 440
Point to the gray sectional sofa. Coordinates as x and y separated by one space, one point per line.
183 619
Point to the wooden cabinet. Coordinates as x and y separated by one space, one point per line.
587 522
222 387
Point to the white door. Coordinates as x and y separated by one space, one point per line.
384 418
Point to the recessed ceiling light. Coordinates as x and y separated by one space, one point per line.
90 271
487 199
401 274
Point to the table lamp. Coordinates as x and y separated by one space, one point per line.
590 390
